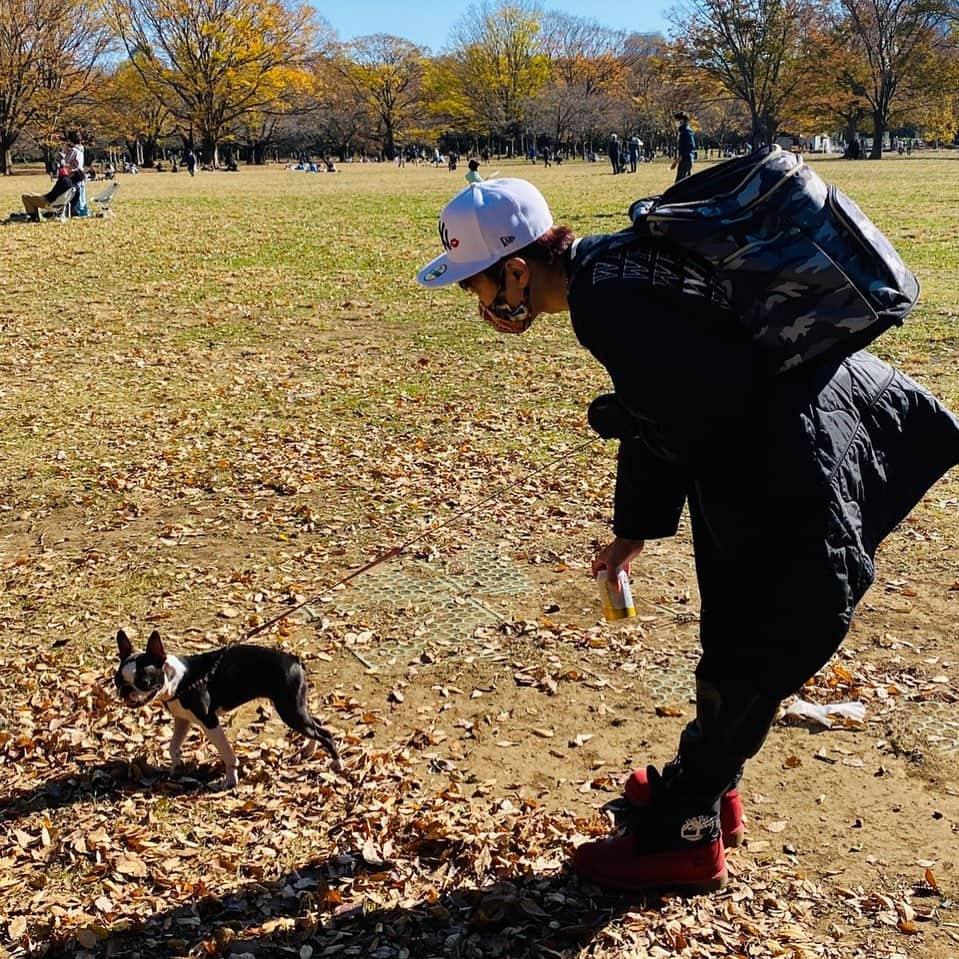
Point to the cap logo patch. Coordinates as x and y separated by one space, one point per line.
445 237
506 240
454 243
435 273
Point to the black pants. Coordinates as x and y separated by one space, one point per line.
774 610
684 169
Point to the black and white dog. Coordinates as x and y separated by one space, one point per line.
196 689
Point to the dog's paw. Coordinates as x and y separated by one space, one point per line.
229 781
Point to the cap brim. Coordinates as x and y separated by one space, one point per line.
443 271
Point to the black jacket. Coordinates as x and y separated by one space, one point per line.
791 481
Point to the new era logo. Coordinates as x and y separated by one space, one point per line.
506 240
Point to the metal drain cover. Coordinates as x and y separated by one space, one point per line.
670 685
446 606
936 723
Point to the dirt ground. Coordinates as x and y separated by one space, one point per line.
488 671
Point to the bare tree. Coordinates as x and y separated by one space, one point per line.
589 67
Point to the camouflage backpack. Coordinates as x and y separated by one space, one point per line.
799 263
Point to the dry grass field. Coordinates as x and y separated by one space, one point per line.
219 402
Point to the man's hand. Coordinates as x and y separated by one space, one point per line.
674 164
617 555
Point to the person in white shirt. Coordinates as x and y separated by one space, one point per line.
74 163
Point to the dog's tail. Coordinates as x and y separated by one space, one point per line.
313 730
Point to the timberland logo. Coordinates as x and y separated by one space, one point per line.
506 240
697 828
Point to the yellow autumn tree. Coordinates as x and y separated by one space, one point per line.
130 113
210 62
501 62
387 72
49 54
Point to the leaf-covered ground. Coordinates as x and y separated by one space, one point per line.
216 405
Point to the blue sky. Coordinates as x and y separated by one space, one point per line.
428 22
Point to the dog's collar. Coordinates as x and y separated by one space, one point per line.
198 683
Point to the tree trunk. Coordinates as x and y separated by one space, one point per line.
878 132
211 152
6 157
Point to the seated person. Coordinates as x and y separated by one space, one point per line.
33 203
330 165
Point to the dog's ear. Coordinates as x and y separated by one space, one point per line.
155 648
124 645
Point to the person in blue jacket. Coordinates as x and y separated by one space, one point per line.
685 148
791 482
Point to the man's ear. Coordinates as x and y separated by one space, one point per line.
518 268
124 645
155 648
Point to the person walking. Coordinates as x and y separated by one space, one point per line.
191 162
614 153
635 145
791 481
685 148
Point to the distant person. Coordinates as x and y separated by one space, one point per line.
547 155
473 174
634 145
74 164
33 203
191 162
614 153
685 148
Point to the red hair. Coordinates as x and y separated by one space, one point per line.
547 250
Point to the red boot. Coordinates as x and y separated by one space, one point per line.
626 863
637 792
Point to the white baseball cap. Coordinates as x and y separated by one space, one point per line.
484 223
